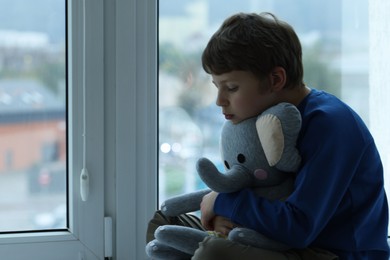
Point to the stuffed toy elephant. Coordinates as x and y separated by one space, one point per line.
258 153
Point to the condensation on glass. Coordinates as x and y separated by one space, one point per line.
33 126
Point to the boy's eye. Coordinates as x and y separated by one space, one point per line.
232 88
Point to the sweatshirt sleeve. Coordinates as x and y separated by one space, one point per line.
332 148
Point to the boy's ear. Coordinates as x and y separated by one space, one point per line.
278 78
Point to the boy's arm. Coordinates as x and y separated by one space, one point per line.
329 164
207 210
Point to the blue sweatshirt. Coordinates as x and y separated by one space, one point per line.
339 202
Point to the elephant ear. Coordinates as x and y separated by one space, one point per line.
270 132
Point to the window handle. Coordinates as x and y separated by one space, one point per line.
84 184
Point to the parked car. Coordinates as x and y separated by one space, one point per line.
48 177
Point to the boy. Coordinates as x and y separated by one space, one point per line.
339 203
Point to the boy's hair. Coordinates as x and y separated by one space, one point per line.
257 43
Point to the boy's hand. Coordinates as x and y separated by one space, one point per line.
207 210
223 225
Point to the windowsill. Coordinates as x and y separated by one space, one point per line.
37 237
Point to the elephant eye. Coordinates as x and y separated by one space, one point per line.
241 158
227 165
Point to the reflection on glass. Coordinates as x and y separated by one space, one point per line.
33 148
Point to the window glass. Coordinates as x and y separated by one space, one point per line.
335 39
33 128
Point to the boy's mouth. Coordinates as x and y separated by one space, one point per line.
228 116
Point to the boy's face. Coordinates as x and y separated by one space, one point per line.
242 95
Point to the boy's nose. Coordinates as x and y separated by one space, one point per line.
221 101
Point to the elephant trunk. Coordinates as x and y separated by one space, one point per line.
184 203
235 179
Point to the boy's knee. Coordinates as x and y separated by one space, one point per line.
209 249
212 248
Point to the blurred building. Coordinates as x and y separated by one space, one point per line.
32 125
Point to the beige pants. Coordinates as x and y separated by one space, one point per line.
221 249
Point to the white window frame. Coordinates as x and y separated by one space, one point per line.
136 124
84 239
121 113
